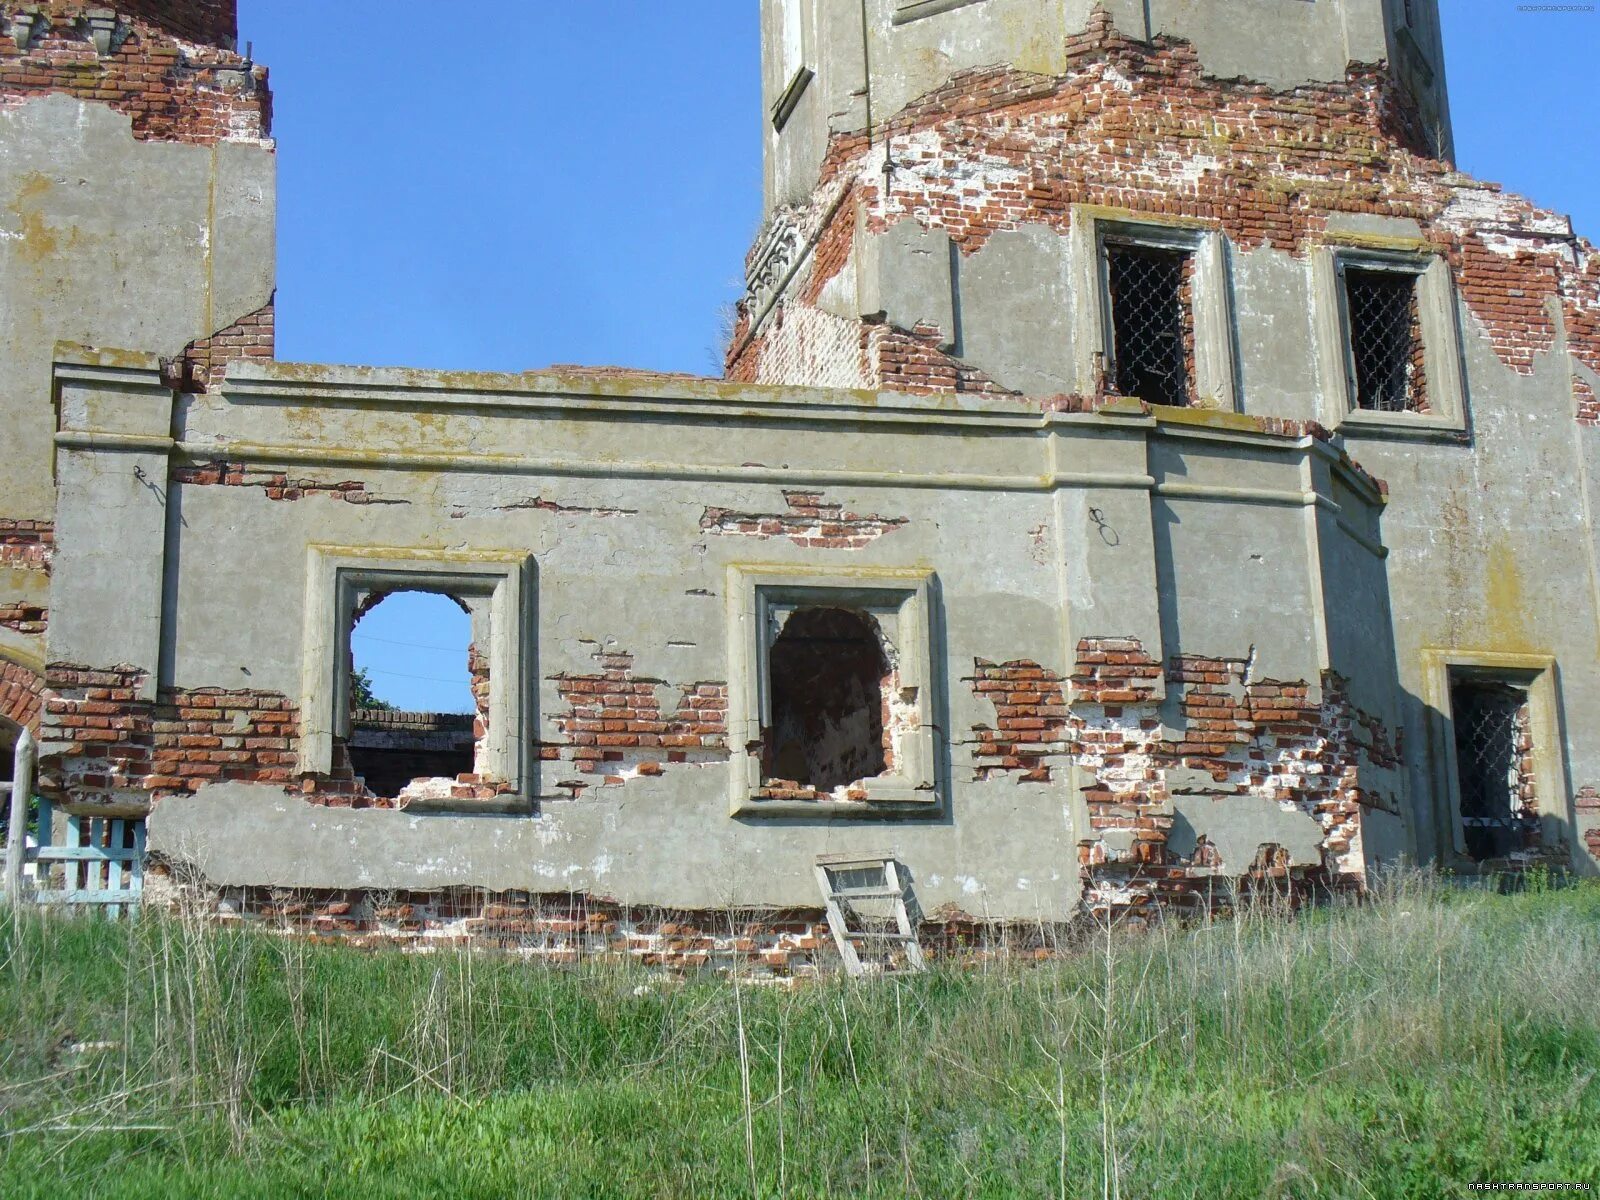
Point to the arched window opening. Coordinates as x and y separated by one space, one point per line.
828 676
418 694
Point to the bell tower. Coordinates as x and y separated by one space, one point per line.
837 66
943 178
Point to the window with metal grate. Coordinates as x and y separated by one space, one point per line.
1492 744
1385 346
1150 357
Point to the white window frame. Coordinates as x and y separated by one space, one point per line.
900 600
497 585
1215 382
1436 313
1536 674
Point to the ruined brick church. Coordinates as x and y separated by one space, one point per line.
1145 468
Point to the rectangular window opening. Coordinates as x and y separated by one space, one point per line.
829 700
1385 339
405 752
1152 322
831 684
1494 766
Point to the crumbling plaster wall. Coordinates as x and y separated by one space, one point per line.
632 500
1493 548
988 167
117 242
136 209
914 48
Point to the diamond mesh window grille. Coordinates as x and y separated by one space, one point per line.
1492 740
1148 319
1384 342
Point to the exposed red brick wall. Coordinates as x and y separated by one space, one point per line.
742 360
1507 292
810 521
1139 126
478 673
276 485
1030 719
1587 802
24 618
1131 115
95 736
172 91
29 545
1417 400
577 927
614 725
103 744
1114 671
212 21
1186 305
1580 304
203 365
797 344
20 695
1588 402
911 361
557 928
1263 738
832 251
209 735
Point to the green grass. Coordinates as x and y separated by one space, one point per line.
1402 1047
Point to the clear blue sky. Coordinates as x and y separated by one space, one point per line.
579 182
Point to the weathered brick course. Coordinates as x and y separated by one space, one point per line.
276 485
104 744
1257 737
615 727
22 617
212 21
173 90
20 695
29 545
204 362
553 928
1139 126
809 521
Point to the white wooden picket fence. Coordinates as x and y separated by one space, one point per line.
98 861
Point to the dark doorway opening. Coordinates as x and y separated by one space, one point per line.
1491 728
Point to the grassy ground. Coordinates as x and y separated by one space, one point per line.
1404 1047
